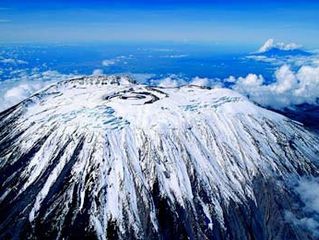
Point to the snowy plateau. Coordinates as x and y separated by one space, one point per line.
106 158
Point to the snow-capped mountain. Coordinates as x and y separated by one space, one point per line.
106 158
271 48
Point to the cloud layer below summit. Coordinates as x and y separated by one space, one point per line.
289 88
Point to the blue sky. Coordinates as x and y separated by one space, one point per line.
216 22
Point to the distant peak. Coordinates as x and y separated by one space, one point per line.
271 44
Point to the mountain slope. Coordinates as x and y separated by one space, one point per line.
276 52
103 157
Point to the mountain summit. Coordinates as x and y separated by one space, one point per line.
272 48
106 158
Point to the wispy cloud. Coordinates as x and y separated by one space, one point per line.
13 61
108 62
118 59
171 81
176 56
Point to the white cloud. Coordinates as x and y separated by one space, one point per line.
177 81
108 62
25 84
156 49
270 44
251 80
97 72
307 189
22 91
175 56
230 79
267 45
290 87
272 60
295 60
169 82
118 59
13 61
202 82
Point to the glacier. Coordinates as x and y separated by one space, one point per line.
103 157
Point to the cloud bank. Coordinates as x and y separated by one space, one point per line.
176 81
171 81
201 82
26 84
22 91
289 88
